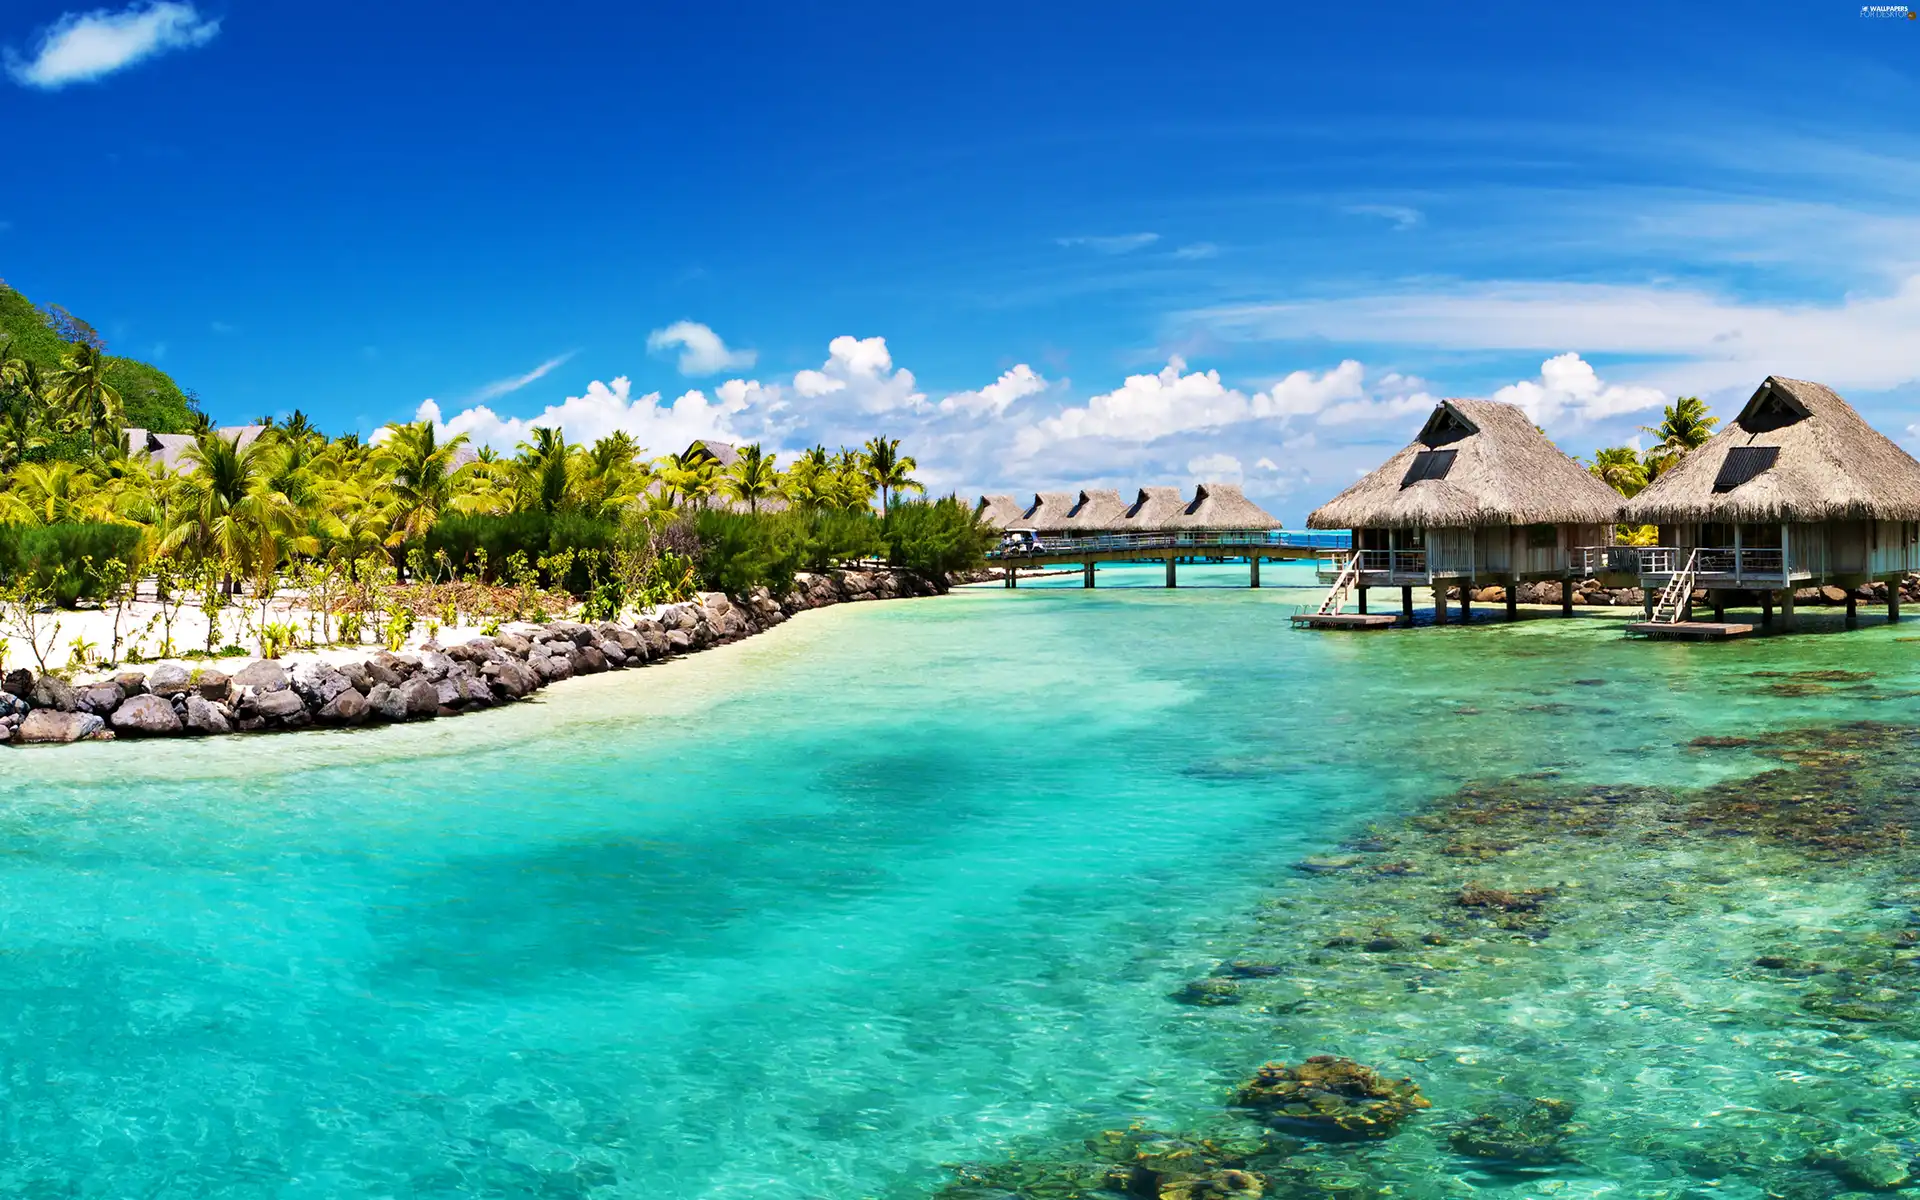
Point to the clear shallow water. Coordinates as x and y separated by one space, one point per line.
804 917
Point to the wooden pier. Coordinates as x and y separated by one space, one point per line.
1690 631
1344 620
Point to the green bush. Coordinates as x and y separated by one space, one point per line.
68 561
934 538
534 534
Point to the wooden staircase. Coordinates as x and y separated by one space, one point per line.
1673 601
1342 584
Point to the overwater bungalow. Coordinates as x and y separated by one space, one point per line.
1480 497
1155 508
1096 511
1797 491
1223 507
1000 510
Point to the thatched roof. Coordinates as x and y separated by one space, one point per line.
1000 511
169 449
1222 506
1475 463
1097 511
1049 511
1156 508
725 454
1796 452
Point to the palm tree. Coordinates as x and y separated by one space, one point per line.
81 390
20 435
59 493
1620 468
229 516
417 469
889 470
754 476
1684 427
689 477
545 469
808 483
299 428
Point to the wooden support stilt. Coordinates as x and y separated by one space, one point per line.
1766 609
1406 604
1719 607
1440 604
1893 601
1173 578
1360 597
1086 579
1786 608
1566 597
1853 610
1253 571
1466 604
1013 577
1646 602
1513 599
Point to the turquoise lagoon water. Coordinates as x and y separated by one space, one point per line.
808 916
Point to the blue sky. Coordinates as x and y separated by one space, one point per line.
1107 244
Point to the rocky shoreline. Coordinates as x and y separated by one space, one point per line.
173 699
1590 593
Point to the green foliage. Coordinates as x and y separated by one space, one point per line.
152 399
70 562
741 551
936 537
471 541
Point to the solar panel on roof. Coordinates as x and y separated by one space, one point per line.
1743 463
1428 464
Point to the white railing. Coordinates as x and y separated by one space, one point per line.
1767 563
1395 563
1201 540
1630 560
1678 593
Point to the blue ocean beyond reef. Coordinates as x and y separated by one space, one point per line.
903 886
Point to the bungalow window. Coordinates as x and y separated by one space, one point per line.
1429 464
1542 537
1743 463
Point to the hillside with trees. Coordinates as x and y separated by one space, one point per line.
44 339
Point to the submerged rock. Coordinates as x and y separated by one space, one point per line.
1335 1099
1528 1135
1214 992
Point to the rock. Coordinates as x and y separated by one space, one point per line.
131 683
1491 595
212 684
169 679
98 698
591 661
319 683
474 693
1867 1162
400 666
679 641
12 705
422 698
1528 1136
346 708
18 682
380 673
47 725
52 692
610 650
1833 595
511 679
435 665
147 716
514 644
283 708
1208 993
207 716
1244 968
388 703
1319 864
551 667
1335 1099
358 675
1475 896
263 676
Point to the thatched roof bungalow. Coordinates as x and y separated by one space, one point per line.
168 450
1223 506
1796 490
1479 495
1000 511
1097 511
1155 508
1049 511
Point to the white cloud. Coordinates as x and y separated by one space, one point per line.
85 46
1209 467
1197 250
604 409
1569 387
1402 216
1709 342
990 401
501 387
859 373
701 350
1115 244
1267 464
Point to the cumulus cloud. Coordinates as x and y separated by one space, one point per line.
991 401
85 46
502 387
1114 244
1210 467
1402 216
1197 250
859 373
701 350
1174 400
602 410
1569 387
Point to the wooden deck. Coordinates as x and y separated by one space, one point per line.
1344 620
1692 631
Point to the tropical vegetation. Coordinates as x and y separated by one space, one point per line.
1684 427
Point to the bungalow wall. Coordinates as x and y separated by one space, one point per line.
1824 550
1510 551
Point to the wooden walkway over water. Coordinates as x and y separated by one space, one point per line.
1170 547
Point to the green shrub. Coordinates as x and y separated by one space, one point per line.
934 538
535 534
68 561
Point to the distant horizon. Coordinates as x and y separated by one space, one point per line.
1083 247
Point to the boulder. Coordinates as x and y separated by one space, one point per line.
283 708
1334 1099
12 705
99 699
346 708
358 675
679 641
207 716
422 697
401 667
590 661
1833 595
380 674
510 679
435 665
571 631
388 703
47 725
551 668
18 682
212 684
169 679
261 677
514 644
50 691
611 651
145 716
132 683
318 683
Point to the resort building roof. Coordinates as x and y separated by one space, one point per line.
1222 506
1475 463
1049 510
1000 511
1097 510
1156 508
169 449
1796 452
723 453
